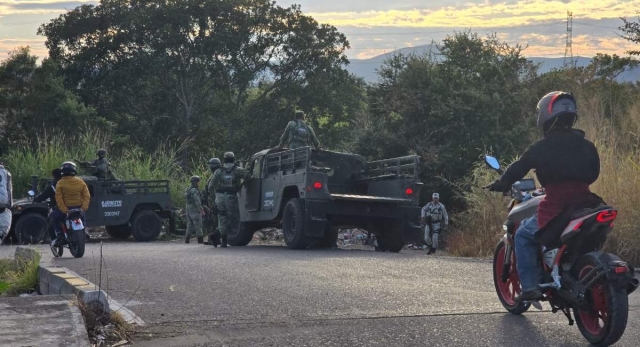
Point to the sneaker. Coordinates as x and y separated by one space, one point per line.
530 295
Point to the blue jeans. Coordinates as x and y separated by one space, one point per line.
527 254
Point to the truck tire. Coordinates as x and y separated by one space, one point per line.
293 225
242 237
31 228
389 237
146 226
119 231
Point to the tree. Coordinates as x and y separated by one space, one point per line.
33 101
176 66
631 32
479 97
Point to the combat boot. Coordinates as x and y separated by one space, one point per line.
186 239
431 250
224 241
200 239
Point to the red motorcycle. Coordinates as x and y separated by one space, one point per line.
579 277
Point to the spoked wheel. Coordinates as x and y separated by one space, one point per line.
606 321
506 280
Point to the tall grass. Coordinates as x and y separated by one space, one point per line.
619 185
129 164
18 276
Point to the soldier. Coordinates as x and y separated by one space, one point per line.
432 216
227 183
298 134
195 211
208 199
100 167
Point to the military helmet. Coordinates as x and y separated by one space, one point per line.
101 152
195 179
68 168
214 162
556 108
229 157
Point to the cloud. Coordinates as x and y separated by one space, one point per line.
481 14
9 44
12 7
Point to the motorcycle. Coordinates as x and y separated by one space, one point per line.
578 276
74 235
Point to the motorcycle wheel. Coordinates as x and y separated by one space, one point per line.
507 291
605 323
76 244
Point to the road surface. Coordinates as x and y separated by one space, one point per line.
195 295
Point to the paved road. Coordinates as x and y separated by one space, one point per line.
195 295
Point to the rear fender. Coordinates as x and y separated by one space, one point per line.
618 272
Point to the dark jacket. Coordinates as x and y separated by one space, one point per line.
566 164
48 193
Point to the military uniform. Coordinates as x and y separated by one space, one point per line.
208 199
433 215
298 134
194 211
227 182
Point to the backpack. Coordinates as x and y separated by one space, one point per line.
228 177
301 133
6 197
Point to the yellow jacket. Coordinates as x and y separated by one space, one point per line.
72 191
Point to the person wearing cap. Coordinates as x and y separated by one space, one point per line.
433 215
298 134
195 211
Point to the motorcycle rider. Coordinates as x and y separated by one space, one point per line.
71 192
566 165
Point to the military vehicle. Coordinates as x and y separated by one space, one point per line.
310 194
122 207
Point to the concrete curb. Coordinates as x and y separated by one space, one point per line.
57 280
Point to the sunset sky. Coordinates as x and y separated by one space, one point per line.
374 27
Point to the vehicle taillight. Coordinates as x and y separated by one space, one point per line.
606 216
408 191
317 185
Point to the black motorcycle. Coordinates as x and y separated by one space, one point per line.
73 235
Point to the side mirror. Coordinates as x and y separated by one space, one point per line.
492 162
31 193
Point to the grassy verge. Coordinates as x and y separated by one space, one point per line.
480 227
18 276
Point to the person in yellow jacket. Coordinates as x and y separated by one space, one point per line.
71 192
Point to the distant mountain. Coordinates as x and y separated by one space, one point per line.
366 68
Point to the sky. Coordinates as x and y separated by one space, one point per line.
375 27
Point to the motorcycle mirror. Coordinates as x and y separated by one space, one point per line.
31 193
492 162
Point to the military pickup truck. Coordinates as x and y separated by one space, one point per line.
310 194
122 207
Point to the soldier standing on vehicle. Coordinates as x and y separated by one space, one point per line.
195 211
100 167
208 199
227 184
6 201
298 134
432 216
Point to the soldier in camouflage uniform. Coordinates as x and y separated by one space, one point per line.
298 134
208 199
227 184
195 211
100 167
